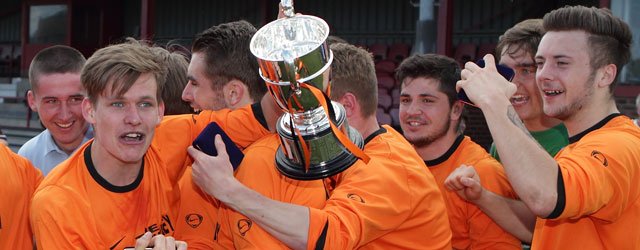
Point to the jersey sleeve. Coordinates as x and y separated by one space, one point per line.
369 204
597 176
176 133
46 208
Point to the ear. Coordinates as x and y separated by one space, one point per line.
31 100
350 103
606 75
88 111
456 110
234 92
160 112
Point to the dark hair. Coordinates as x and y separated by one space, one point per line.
609 37
227 55
353 71
120 66
444 69
525 35
55 59
176 64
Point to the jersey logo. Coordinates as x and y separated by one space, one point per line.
244 225
600 157
193 220
355 197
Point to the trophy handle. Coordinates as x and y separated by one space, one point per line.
290 70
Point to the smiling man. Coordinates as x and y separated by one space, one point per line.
585 197
517 47
223 73
115 188
430 117
56 94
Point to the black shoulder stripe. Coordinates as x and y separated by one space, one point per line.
562 199
323 237
259 115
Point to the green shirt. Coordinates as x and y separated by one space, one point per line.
552 140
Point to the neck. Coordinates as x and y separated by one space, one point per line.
244 101
589 116
438 147
541 123
72 146
365 125
115 171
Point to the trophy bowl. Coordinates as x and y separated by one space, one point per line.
290 51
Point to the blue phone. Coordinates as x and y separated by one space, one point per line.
205 143
505 71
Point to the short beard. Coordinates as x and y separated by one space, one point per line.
571 109
427 140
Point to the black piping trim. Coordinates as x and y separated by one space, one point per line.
323 237
598 125
104 183
562 198
447 154
380 131
259 115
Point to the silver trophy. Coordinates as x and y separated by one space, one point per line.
316 141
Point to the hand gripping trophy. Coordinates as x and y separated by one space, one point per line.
315 140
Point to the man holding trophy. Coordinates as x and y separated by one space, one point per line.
382 196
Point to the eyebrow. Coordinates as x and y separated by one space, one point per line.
419 95
554 57
527 64
191 78
54 97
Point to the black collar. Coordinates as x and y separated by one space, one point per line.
380 131
447 154
104 183
598 125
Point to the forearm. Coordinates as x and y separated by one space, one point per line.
287 222
530 169
512 215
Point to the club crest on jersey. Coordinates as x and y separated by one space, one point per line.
193 220
600 157
355 197
244 225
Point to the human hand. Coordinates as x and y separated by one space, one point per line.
465 181
159 242
485 85
211 173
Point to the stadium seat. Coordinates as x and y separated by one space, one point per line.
379 51
386 66
465 52
486 48
395 116
384 100
398 52
386 82
395 97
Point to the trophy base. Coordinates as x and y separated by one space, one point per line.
324 169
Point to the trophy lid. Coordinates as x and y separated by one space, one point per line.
299 34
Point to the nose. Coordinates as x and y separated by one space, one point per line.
132 116
187 95
412 108
65 112
544 73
